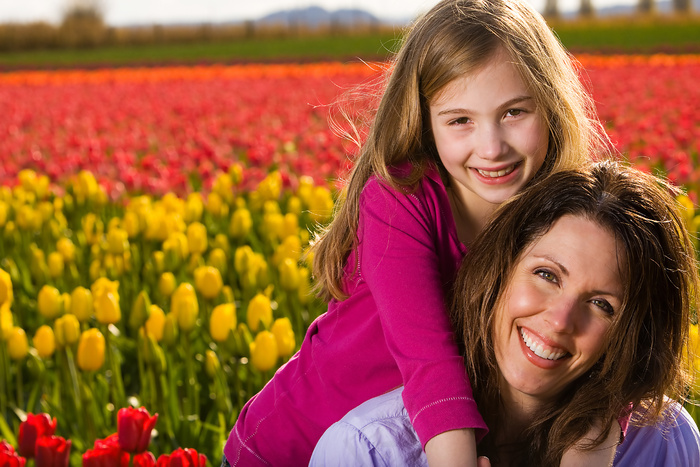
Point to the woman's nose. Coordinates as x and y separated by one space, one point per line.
561 314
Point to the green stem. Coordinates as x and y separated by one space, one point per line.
118 396
191 379
4 377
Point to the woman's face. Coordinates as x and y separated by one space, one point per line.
550 325
490 134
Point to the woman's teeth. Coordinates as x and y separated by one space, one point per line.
539 350
498 173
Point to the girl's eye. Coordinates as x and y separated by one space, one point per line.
546 275
603 305
514 112
460 121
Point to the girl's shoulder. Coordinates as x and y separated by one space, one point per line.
403 171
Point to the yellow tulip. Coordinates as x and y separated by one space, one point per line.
223 186
4 209
6 294
170 329
222 321
177 243
305 291
289 274
242 259
6 321
289 248
66 248
103 285
26 217
294 206
107 310
156 322
194 206
687 208
132 224
282 330
67 330
321 204
235 171
259 311
93 228
272 225
55 264
44 341
49 302
17 343
263 351
290 225
217 258
140 311
167 284
91 350
208 282
270 187
197 238
215 205
211 363
117 241
241 223
81 304
185 306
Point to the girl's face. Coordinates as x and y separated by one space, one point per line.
550 326
489 133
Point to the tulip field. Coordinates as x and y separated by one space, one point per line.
153 230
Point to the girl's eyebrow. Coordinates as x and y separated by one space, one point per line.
508 103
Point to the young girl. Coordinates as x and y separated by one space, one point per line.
482 98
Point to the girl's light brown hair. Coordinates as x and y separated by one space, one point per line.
643 357
453 39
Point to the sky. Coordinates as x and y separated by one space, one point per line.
126 12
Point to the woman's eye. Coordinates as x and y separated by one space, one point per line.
546 275
603 305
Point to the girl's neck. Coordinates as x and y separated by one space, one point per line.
469 219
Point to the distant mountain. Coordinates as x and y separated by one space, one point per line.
663 6
314 17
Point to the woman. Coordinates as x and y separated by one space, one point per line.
581 310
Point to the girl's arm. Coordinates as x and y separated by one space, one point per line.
602 455
452 448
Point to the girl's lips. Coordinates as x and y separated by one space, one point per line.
539 353
495 177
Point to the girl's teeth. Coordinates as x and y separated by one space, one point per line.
539 350
499 173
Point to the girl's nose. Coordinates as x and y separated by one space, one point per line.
490 143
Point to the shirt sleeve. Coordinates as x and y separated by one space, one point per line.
344 445
399 261
674 441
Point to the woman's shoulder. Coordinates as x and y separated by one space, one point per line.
673 441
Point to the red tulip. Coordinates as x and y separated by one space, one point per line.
106 453
31 430
182 458
8 456
144 459
134 427
52 451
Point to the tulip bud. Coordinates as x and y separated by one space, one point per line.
44 341
193 208
211 363
305 291
140 311
55 264
263 351
6 294
242 259
167 284
289 248
197 238
321 204
52 451
241 223
294 206
67 330
155 322
81 303
134 427
49 302
17 343
218 259
6 321
185 306
259 311
222 321
290 225
4 209
33 428
66 248
215 205
117 241
207 280
170 330
91 350
289 274
107 310
282 330
270 187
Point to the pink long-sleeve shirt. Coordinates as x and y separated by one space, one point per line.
392 330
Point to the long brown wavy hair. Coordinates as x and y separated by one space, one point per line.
453 39
643 358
